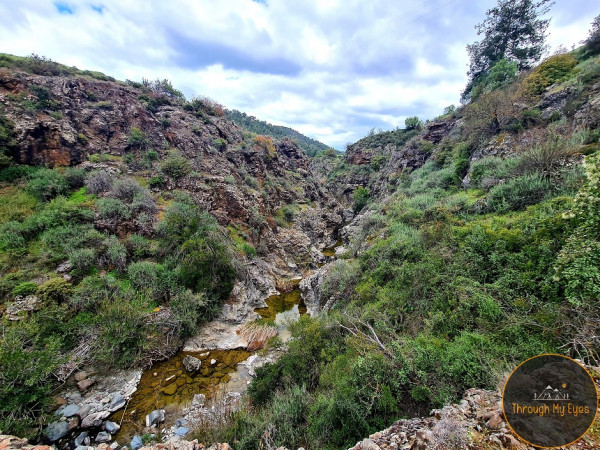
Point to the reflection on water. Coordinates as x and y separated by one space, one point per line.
283 309
280 306
330 251
168 385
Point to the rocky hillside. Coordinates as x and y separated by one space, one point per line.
381 162
127 207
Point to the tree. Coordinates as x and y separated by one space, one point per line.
513 30
413 123
593 40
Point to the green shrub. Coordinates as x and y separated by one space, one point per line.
248 250
151 278
361 198
7 142
125 189
123 331
288 213
54 290
413 123
175 166
116 253
45 184
552 70
137 138
206 266
139 246
220 143
98 182
82 138
64 239
75 177
92 291
82 260
11 237
190 310
489 171
517 193
112 209
24 289
17 172
44 98
26 364
156 182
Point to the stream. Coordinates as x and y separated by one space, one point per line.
168 385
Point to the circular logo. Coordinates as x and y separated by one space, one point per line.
550 401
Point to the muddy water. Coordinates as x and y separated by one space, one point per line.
168 385
284 309
330 251
280 303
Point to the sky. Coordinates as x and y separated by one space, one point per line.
331 69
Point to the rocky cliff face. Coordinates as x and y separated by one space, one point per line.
243 181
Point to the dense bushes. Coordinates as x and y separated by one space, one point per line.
46 184
109 300
553 70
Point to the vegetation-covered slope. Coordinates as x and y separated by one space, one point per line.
310 146
483 256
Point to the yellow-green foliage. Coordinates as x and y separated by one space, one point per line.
266 143
15 204
553 70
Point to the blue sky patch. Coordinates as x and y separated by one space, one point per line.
98 8
63 8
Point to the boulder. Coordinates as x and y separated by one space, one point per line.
191 364
94 419
136 443
182 431
57 430
69 410
84 411
155 417
84 385
111 427
103 436
79 440
117 402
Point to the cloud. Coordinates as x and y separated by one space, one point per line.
332 69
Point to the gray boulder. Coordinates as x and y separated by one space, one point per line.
136 443
182 431
94 419
70 410
103 436
155 417
111 427
57 430
117 402
79 440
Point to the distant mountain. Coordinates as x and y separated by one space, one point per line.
310 146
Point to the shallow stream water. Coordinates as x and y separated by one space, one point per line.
168 385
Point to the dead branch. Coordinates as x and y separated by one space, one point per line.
371 337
